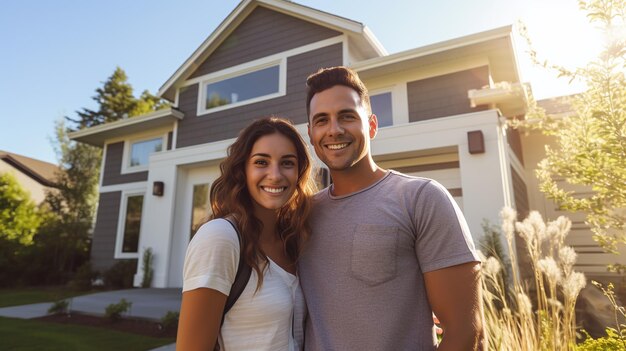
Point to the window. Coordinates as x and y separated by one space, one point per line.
141 150
128 239
226 90
201 208
381 107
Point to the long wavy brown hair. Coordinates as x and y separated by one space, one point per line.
230 196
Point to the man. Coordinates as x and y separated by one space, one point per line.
386 250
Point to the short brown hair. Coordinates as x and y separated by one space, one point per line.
327 78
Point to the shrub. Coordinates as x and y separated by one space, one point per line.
146 267
515 324
613 341
114 311
83 277
60 306
170 320
120 275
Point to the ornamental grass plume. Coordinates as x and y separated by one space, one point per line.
548 322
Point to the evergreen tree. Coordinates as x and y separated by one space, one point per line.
63 242
590 146
72 204
116 101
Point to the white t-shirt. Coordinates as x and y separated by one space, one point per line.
270 319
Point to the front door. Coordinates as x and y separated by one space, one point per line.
192 210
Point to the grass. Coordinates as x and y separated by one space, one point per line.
20 334
25 296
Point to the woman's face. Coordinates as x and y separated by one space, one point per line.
272 171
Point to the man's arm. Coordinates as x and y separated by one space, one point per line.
455 295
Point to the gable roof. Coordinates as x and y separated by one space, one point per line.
358 33
42 172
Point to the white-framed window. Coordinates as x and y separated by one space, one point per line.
246 85
137 152
129 224
382 107
200 207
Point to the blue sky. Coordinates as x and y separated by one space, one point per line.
56 53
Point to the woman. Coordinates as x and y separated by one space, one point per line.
264 190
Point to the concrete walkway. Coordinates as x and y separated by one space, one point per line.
150 304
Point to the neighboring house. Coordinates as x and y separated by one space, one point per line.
440 108
34 176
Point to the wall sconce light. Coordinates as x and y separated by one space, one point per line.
476 142
157 188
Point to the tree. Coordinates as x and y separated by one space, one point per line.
19 216
591 143
19 220
116 101
72 204
63 242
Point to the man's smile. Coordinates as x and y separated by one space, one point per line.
337 146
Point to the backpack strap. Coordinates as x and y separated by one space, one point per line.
241 277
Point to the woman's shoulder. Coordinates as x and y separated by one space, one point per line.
216 230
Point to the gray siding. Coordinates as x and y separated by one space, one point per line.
194 130
113 167
515 142
103 242
520 195
445 95
264 32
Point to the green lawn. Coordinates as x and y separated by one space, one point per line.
25 296
21 334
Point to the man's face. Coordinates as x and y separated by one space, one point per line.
340 128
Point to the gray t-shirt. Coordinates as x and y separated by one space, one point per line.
362 271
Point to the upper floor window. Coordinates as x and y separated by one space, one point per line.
381 107
256 84
141 150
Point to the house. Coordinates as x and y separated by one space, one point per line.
592 259
441 109
35 176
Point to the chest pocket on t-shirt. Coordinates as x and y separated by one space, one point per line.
374 253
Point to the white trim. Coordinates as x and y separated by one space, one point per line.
204 46
400 101
119 238
102 161
316 16
175 136
126 122
373 41
234 70
298 11
213 78
128 143
123 187
176 98
448 45
346 51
